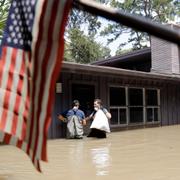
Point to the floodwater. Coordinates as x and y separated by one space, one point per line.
145 154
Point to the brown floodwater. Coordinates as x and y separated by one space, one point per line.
145 154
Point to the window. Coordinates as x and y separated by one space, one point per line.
136 114
117 96
119 116
152 114
114 114
129 105
122 116
135 97
151 97
118 107
152 107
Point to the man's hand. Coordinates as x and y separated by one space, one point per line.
61 118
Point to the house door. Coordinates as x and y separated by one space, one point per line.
85 94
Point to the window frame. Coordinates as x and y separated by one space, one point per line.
144 106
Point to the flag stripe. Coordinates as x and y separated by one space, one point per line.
2 63
17 110
36 69
42 74
6 79
47 46
55 73
56 66
12 88
23 88
35 32
7 59
46 67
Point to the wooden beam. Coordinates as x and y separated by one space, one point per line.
130 20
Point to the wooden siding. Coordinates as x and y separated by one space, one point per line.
165 56
169 96
170 104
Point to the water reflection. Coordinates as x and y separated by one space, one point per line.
76 150
101 159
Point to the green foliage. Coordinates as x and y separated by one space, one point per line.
81 32
83 49
81 19
123 51
4 8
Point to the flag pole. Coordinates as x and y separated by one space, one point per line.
139 23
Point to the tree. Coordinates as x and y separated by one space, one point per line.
81 32
4 8
157 10
123 51
83 49
83 21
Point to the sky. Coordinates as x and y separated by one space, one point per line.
114 45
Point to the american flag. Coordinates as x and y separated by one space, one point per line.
31 55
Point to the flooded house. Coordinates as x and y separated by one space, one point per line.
140 89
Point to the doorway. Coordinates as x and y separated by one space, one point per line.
85 94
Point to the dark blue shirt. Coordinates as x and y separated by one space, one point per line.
72 112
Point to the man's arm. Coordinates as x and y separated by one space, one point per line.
62 117
108 114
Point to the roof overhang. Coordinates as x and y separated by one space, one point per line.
133 56
95 70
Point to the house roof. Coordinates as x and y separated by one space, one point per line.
138 55
112 71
